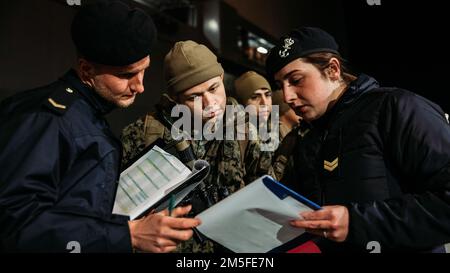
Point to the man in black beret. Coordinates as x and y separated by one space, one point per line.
60 161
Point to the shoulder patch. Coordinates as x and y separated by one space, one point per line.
60 100
153 126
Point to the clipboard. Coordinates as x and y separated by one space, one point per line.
151 181
281 191
181 190
256 219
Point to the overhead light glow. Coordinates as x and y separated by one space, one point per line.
262 50
213 25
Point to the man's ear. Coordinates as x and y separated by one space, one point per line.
86 69
333 70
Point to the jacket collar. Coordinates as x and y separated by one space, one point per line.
99 104
356 89
360 86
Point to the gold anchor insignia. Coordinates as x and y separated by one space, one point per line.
330 166
55 104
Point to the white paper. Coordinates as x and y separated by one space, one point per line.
252 220
147 181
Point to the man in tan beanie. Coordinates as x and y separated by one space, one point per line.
253 89
192 72
194 77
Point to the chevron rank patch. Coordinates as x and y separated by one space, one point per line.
330 166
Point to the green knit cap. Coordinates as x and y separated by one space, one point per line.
188 64
247 84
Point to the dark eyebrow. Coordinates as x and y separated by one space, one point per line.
197 93
126 73
278 82
214 86
290 73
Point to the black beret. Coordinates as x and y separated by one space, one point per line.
111 33
299 43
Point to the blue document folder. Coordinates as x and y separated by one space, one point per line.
281 191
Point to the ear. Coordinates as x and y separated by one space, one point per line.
334 69
86 69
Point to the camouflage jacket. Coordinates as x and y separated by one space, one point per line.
284 130
233 163
283 157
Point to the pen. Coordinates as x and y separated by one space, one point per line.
171 204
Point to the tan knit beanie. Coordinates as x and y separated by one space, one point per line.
247 84
189 64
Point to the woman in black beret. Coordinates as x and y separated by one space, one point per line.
377 159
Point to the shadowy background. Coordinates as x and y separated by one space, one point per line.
401 43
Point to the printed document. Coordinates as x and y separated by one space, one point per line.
252 220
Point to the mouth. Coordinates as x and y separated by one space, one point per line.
213 112
129 96
300 110
264 113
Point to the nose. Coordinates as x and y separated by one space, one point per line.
137 83
265 100
208 99
289 94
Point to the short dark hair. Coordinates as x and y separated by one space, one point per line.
321 60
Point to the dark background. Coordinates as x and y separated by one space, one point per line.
401 43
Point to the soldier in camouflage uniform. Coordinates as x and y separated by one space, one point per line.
252 89
192 72
289 122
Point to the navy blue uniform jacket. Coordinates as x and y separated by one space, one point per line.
59 165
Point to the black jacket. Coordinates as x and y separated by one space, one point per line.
385 154
59 165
